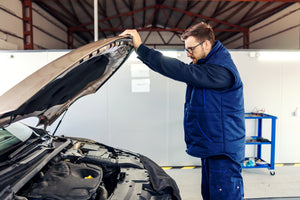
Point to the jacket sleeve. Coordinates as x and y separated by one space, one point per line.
203 76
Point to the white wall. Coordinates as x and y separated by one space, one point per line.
17 65
280 31
273 85
151 122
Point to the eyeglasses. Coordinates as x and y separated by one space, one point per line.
191 49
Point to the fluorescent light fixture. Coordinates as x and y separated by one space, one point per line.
279 56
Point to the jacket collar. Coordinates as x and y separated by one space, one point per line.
215 48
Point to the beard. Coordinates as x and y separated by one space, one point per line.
194 60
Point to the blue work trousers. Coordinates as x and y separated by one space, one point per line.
221 179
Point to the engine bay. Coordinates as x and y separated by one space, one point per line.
48 167
88 171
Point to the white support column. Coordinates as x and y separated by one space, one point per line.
95 20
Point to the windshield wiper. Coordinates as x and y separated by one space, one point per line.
16 155
21 148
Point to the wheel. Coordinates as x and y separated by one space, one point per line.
272 172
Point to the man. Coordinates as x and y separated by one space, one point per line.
214 108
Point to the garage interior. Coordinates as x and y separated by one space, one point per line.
263 37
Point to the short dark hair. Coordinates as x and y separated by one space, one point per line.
201 31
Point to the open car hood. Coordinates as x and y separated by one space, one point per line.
48 92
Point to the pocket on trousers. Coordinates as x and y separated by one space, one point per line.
224 186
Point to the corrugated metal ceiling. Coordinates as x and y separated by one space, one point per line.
160 21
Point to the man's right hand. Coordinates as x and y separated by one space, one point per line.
136 39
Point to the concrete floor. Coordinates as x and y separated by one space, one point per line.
258 183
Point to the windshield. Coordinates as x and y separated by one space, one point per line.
12 135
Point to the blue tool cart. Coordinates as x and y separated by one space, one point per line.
260 141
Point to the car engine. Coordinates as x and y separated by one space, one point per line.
86 170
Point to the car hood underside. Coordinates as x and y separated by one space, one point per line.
48 92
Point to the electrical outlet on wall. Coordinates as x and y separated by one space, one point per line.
296 113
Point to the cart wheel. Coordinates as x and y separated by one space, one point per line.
272 172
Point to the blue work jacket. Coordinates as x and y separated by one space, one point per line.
213 119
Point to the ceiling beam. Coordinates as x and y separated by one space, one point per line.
118 12
236 11
171 13
116 16
161 13
269 12
184 16
58 15
85 10
70 15
204 17
247 14
174 29
227 8
151 29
